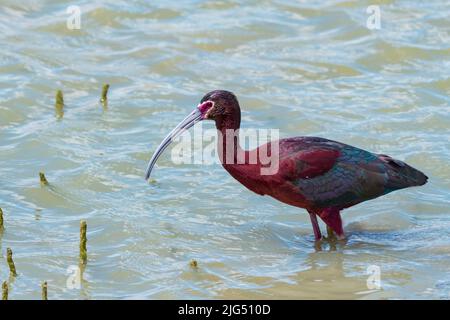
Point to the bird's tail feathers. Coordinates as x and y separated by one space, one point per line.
402 175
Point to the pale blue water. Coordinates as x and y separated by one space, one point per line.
306 68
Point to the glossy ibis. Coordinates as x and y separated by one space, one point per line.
317 174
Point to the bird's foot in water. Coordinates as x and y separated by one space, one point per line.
332 239
333 236
330 234
332 218
331 244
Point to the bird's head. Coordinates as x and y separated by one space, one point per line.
218 105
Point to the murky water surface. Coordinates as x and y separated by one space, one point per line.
303 67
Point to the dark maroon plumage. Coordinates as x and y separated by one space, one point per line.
320 175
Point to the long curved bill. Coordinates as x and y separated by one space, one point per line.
194 117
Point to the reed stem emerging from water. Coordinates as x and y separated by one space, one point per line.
59 104
104 93
1 219
44 290
193 264
83 242
4 290
9 259
59 97
43 179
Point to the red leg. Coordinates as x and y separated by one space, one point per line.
332 217
315 224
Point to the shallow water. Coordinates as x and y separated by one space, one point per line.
307 69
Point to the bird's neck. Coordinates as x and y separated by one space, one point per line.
229 149
228 140
237 161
